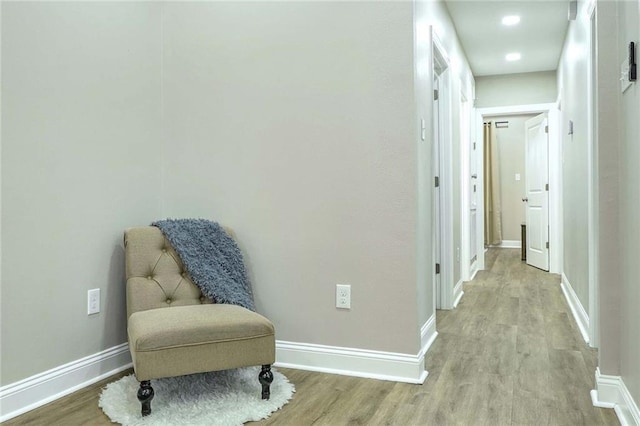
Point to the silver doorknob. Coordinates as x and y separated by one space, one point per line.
526 200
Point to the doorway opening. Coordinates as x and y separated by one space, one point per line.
516 185
550 180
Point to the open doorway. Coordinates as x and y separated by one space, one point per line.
551 185
516 185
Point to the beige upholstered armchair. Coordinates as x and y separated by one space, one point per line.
174 330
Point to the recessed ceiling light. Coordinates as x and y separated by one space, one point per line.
510 20
513 57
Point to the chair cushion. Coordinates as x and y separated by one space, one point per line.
180 326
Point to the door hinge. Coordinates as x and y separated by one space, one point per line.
435 95
474 188
437 268
546 129
547 244
437 181
474 146
546 187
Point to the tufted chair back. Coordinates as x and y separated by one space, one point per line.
156 277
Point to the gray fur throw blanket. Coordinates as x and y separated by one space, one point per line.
212 259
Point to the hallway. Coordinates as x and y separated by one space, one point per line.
511 354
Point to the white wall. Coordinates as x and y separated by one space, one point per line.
80 162
516 89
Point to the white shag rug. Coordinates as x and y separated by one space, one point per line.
230 397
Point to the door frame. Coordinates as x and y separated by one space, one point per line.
441 60
592 184
555 177
466 137
437 199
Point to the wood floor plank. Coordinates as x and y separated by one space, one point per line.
531 411
510 354
80 408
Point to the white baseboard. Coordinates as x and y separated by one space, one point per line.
611 392
580 315
35 391
457 293
428 335
351 362
474 271
508 244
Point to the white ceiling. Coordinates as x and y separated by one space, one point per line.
538 37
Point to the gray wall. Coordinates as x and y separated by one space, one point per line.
516 89
573 85
629 21
618 198
293 124
80 162
609 123
286 121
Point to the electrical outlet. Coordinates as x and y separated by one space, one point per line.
93 301
343 296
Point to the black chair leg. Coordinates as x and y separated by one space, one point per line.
145 395
266 377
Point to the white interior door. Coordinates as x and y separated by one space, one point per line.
537 191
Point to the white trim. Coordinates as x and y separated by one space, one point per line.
592 181
611 392
598 403
437 43
428 334
457 293
579 314
480 248
446 175
556 241
35 391
590 8
508 244
474 270
466 117
515 109
351 362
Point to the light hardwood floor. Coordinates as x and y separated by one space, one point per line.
510 354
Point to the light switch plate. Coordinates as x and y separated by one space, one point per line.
517 176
